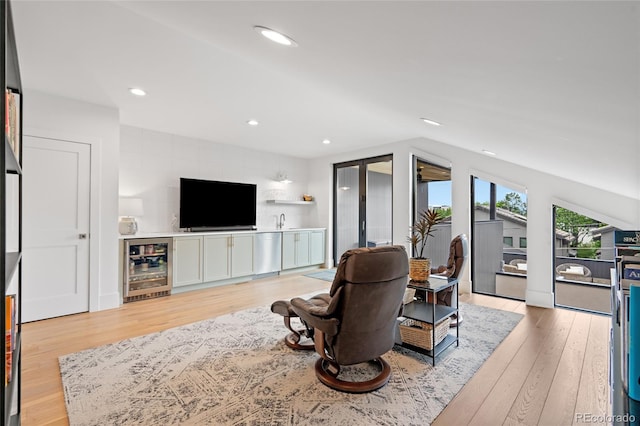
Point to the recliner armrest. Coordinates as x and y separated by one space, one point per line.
310 308
314 316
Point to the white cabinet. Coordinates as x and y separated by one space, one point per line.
242 252
288 250
212 257
302 248
217 257
295 249
228 256
187 261
316 247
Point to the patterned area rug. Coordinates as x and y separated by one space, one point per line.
236 370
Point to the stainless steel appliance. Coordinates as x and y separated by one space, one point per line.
268 255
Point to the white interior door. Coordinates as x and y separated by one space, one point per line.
56 191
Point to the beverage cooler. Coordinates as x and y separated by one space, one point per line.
147 268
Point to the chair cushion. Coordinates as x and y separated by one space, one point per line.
283 307
575 270
315 315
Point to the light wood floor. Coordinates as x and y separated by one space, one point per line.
553 365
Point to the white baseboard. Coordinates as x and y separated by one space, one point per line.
539 298
464 287
109 301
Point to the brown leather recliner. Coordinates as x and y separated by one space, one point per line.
359 323
458 254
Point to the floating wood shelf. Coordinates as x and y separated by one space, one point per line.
290 202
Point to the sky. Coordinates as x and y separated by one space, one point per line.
440 192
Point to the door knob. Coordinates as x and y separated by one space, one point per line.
82 236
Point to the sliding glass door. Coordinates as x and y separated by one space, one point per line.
362 204
499 243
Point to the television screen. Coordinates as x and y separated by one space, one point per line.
212 205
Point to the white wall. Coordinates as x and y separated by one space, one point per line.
152 163
543 191
56 117
138 162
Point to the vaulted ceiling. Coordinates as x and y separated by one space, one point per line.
549 85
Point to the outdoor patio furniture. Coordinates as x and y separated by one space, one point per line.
517 266
574 271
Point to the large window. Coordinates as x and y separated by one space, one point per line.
584 255
433 190
499 221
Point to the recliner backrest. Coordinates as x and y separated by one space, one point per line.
459 252
367 297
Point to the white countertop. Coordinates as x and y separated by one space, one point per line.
195 234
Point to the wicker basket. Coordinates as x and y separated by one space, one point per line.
418 333
419 269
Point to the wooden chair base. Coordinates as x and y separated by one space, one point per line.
292 340
325 372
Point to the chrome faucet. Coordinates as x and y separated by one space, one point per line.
281 222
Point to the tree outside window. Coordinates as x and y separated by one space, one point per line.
579 226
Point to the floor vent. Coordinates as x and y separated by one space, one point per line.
147 296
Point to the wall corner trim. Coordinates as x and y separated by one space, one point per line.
540 299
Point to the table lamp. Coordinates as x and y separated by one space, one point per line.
128 210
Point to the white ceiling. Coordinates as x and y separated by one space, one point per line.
548 85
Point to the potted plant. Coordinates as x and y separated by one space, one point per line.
419 266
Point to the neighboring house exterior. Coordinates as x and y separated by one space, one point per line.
605 235
514 233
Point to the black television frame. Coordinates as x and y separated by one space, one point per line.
212 205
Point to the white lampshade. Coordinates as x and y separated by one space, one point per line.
130 207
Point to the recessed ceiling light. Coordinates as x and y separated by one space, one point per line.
491 153
326 141
252 122
275 36
433 123
137 91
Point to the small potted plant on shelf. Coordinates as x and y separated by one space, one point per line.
419 266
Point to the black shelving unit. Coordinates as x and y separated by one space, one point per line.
11 257
431 313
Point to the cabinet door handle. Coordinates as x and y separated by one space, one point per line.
82 236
